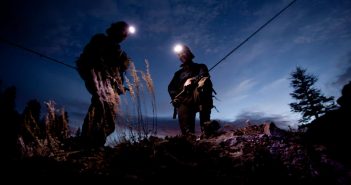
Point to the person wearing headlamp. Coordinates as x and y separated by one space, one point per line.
102 66
191 91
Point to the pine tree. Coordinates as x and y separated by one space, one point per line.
310 101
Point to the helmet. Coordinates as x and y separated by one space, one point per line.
183 50
117 27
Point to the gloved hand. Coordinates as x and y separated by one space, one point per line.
188 82
176 102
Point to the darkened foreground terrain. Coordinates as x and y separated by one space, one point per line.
255 154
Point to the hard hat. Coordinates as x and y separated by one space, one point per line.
182 50
120 26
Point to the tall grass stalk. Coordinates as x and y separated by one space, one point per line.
131 114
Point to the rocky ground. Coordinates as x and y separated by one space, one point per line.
255 154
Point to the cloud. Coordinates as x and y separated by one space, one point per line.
241 88
260 118
275 86
187 21
335 25
104 9
56 28
345 77
255 51
194 21
270 8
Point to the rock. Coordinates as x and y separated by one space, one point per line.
270 129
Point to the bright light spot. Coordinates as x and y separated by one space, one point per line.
131 29
178 48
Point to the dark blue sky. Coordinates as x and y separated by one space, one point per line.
253 81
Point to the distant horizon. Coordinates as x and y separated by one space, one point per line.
165 122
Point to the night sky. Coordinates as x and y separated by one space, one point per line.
251 83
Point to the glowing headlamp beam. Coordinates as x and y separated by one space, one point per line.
178 48
131 29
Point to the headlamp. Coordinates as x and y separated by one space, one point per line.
131 29
178 48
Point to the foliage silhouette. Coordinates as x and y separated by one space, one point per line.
310 101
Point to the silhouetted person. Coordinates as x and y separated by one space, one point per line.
333 129
191 91
102 65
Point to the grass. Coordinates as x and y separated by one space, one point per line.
134 120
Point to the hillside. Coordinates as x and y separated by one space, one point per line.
255 154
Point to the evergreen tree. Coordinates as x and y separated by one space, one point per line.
310 102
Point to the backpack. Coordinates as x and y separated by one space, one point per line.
102 54
91 57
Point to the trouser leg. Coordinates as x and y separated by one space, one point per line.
205 115
92 131
111 102
110 117
100 119
186 118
